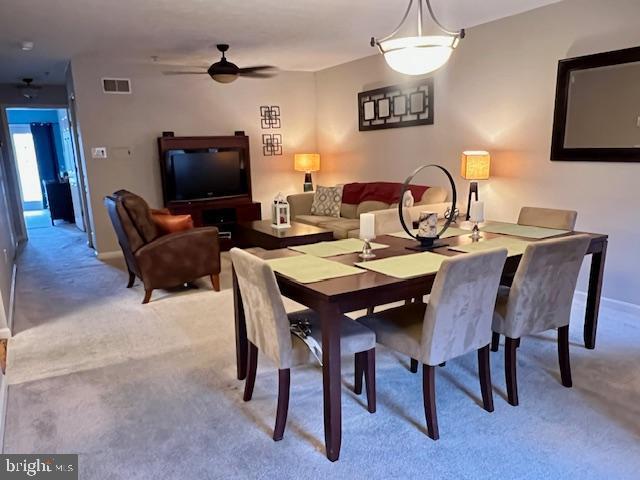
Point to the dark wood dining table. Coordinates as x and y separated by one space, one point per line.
334 297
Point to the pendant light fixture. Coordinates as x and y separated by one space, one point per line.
420 54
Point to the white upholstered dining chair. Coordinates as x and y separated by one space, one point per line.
455 321
539 299
548 218
540 217
269 331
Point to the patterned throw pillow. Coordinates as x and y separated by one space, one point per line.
327 201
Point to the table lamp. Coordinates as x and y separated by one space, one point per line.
474 166
307 162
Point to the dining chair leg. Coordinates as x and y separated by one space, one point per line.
370 378
414 366
510 370
484 372
429 398
215 282
284 381
495 342
359 372
370 310
563 356
252 366
132 279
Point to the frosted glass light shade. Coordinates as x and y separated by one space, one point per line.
224 77
418 55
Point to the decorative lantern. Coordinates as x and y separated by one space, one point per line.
280 213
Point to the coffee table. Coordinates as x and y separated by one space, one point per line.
260 233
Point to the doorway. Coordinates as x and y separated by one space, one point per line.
46 165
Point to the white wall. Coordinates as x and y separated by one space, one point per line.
497 93
7 254
187 105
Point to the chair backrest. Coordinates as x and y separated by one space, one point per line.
266 318
128 237
548 218
460 309
131 219
542 291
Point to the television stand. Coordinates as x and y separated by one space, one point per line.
224 214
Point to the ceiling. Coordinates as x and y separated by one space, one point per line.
293 35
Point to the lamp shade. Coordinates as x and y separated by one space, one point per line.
306 162
475 165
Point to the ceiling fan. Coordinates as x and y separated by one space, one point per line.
226 72
27 90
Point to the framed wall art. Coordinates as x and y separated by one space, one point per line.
397 106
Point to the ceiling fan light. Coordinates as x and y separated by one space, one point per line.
224 77
418 55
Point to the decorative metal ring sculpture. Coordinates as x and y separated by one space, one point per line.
428 243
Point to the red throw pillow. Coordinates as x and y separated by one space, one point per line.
172 223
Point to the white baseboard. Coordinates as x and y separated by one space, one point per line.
611 304
116 254
12 297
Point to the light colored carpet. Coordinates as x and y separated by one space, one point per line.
149 391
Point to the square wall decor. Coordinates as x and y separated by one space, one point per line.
271 144
397 106
270 116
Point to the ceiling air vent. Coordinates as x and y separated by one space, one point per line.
116 85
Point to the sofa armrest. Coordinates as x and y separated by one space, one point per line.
300 204
387 221
180 257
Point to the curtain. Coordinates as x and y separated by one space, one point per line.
45 154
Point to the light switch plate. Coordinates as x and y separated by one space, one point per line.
99 152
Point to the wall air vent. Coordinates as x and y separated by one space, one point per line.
116 85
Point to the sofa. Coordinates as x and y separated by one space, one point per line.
379 198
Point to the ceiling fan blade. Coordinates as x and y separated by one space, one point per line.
184 65
257 75
256 69
183 73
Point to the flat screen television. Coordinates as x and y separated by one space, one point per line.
205 174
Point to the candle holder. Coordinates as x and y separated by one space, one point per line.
367 251
475 233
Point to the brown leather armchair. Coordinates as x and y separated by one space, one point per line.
161 261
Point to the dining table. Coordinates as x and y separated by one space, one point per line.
337 296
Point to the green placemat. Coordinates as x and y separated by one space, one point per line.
406 266
451 232
309 269
522 230
336 247
513 245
